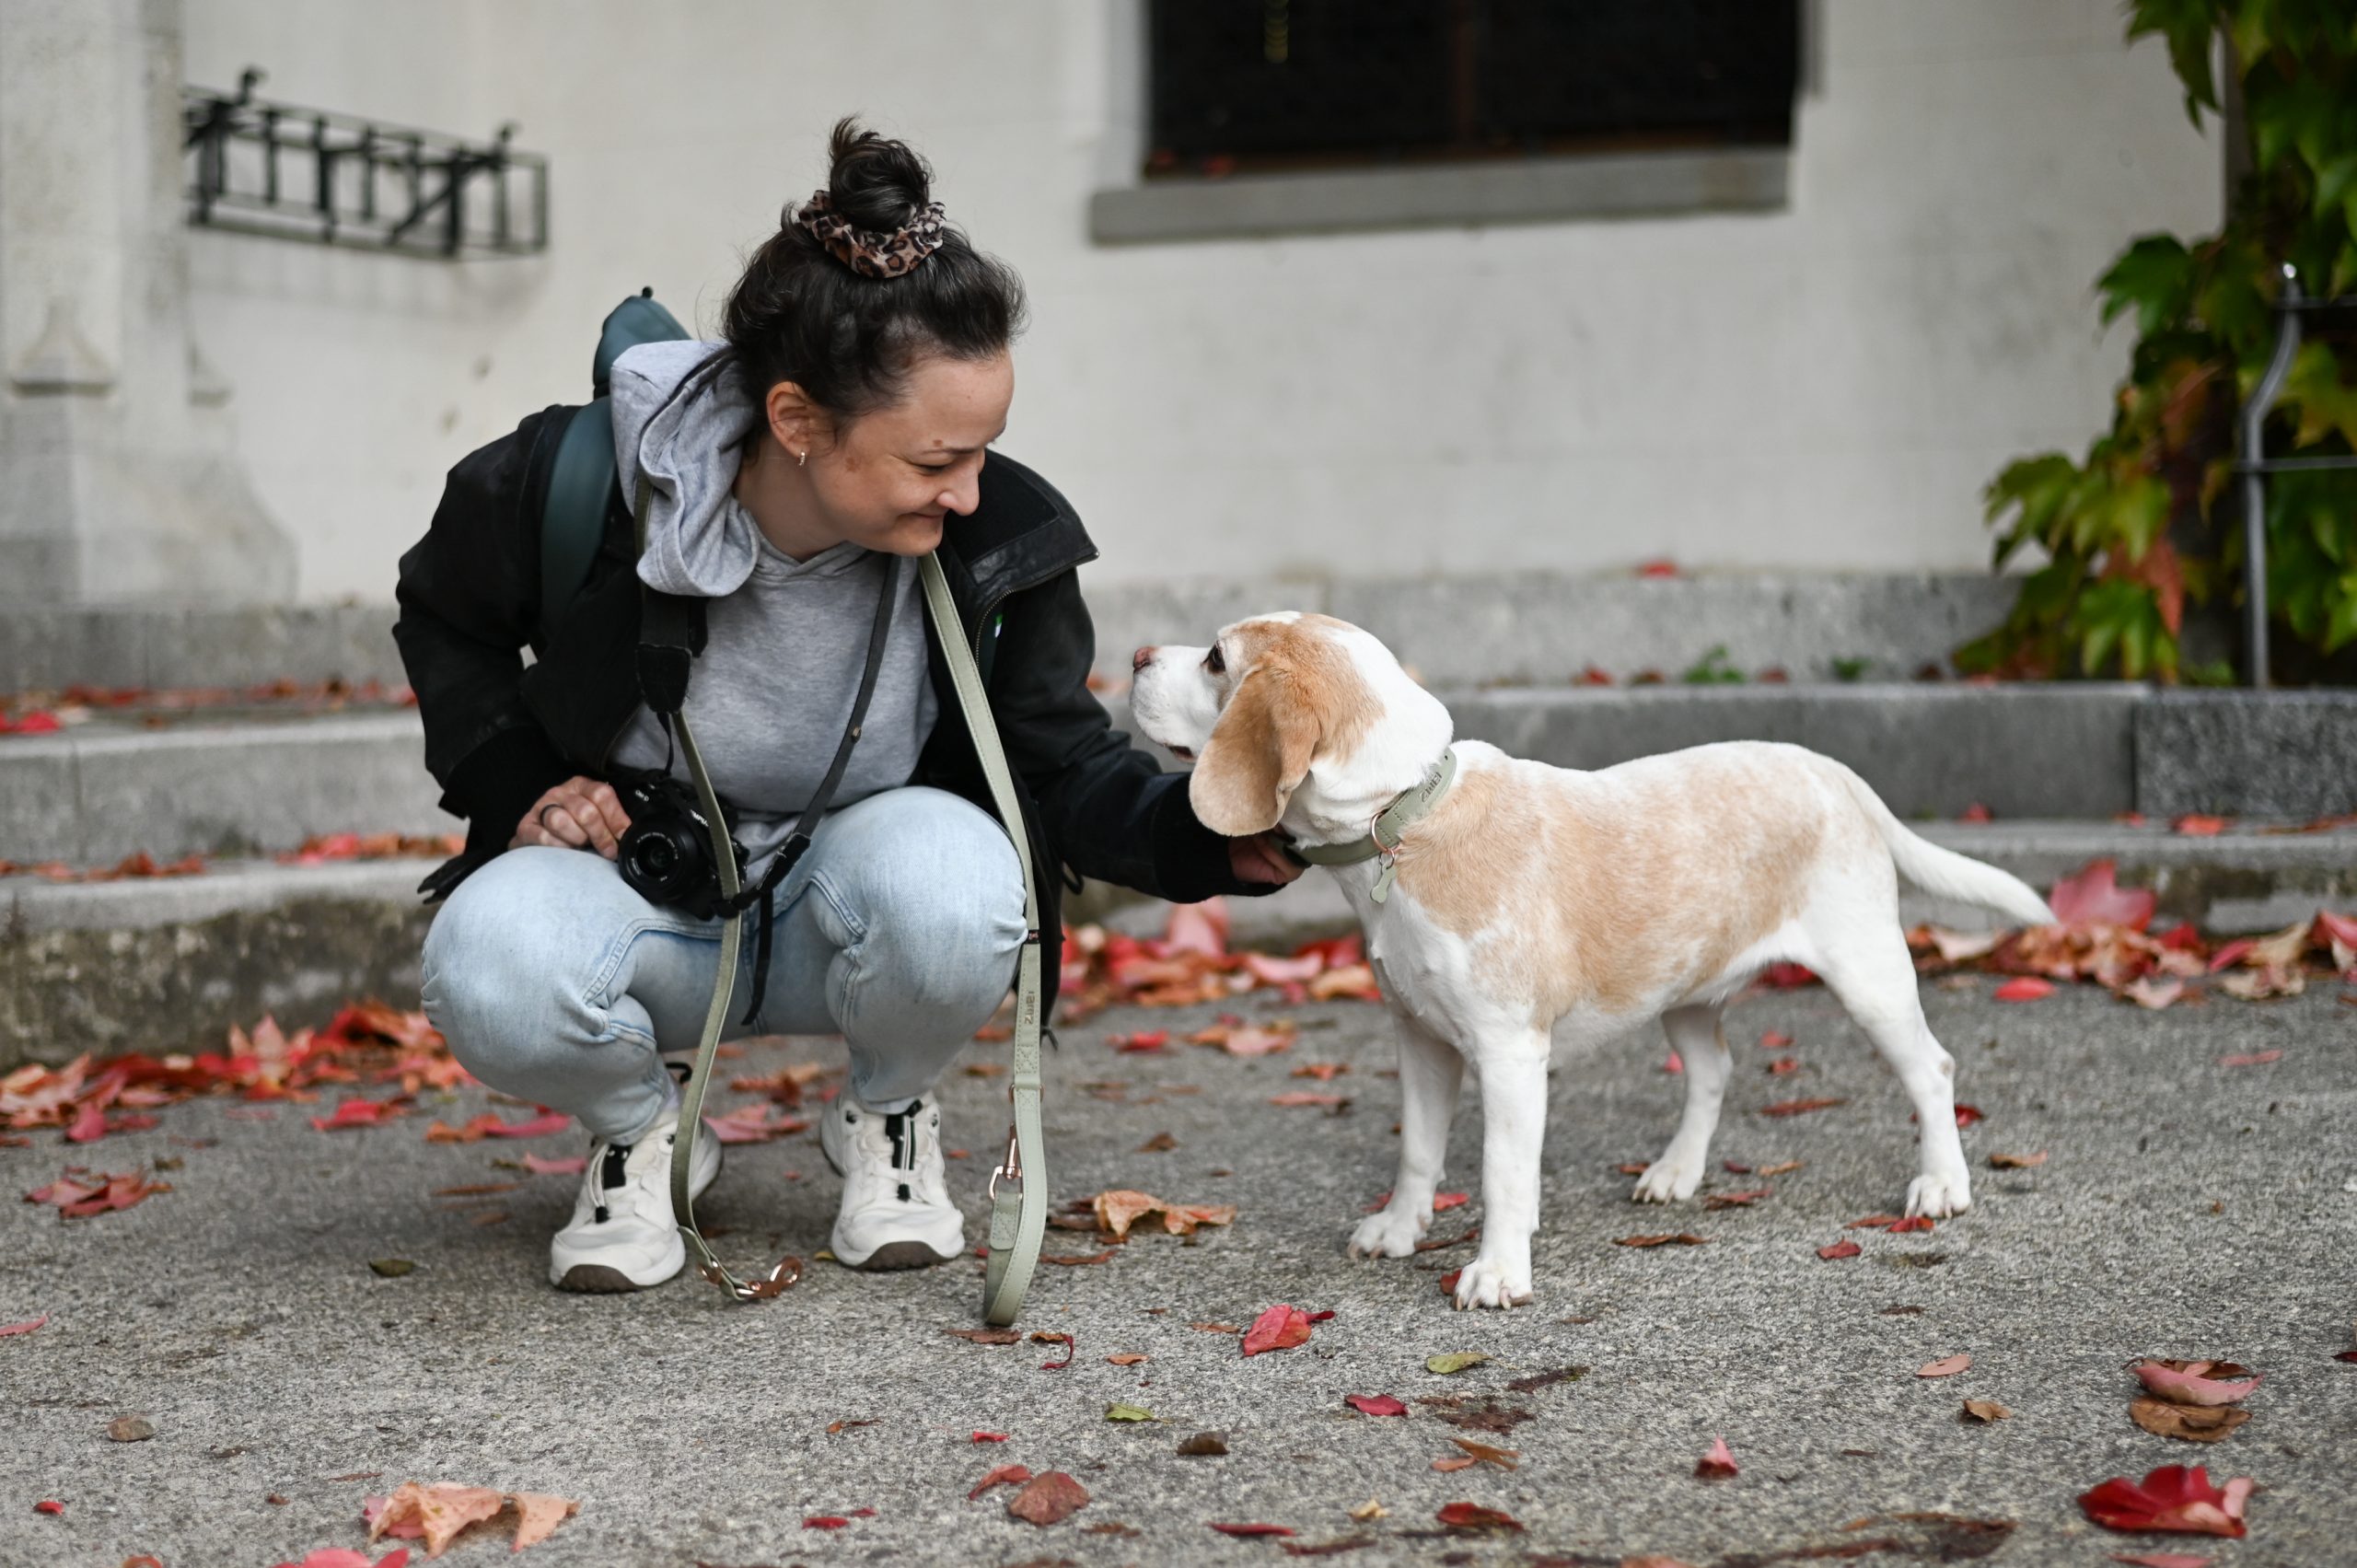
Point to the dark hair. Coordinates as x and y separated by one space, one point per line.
799 315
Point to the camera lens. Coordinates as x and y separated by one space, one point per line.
658 857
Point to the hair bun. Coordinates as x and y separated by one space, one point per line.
874 182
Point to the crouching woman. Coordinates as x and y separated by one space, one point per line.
845 420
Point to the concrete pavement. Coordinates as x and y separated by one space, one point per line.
2186 1209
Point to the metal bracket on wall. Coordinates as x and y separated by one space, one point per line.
2292 309
291 173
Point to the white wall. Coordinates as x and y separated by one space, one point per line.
1826 387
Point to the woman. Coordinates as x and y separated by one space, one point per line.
844 422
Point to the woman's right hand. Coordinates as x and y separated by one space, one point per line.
580 813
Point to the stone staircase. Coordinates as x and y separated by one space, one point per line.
241 776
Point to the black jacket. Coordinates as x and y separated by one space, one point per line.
498 733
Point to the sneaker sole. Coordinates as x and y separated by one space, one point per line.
894 1257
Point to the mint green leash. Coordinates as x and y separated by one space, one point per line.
1018 1187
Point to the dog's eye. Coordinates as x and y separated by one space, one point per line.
1215 662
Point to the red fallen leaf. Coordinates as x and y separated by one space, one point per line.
1326 1316
49 1506
1797 1107
2251 1059
1444 1202
2348 1355
546 1124
1682 1238
1143 1040
826 1522
2197 1382
1734 1167
1782 1168
1250 1530
2025 988
1279 1328
2161 1559
1838 1251
2174 1498
1784 1064
1718 1464
1374 1404
1966 1115
1005 1475
23 1328
1072 1349
1737 1200
2090 897
1657 569
1634 1167
1872 1221
1293 1098
1130 1358
1592 676
1448 1282
1324 1072
1196 928
2195 825
78 1195
1675 1063
2018 1162
569 1164
1946 1367
746 1124
1270 971
1451 1463
1787 977
1049 1500
1774 1039
1913 1222
1242 1039
357 1113
1975 812
990 1436
1473 1516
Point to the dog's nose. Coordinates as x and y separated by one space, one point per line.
1140 658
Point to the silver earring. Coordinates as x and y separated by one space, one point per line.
804 460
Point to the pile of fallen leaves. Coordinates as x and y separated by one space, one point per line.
2104 936
320 849
1191 963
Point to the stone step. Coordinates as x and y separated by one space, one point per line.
223 784
1533 628
171 964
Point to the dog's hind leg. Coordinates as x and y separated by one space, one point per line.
1514 1125
1874 978
1430 1073
1694 1033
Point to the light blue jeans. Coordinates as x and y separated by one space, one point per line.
899 929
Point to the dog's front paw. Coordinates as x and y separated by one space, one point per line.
1391 1234
1939 1196
1486 1283
1669 1180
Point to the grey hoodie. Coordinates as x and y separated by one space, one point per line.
773 689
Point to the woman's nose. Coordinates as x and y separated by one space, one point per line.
1140 658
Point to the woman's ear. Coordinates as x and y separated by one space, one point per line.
1258 754
795 421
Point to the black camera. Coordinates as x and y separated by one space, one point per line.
665 853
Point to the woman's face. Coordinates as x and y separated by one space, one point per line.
888 479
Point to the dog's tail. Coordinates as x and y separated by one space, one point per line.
1945 873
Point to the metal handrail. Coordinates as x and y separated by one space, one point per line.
2253 463
340 204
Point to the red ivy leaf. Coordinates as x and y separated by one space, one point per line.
1251 1530
1374 1404
1473 1516
1838 1251
1279 1328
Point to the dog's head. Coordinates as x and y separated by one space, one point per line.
1299 718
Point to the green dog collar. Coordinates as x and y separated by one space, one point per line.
1391 825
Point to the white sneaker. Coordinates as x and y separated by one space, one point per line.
896 1212
622 1236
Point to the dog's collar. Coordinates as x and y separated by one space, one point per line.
1392 824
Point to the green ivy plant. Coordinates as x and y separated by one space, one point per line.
2148 522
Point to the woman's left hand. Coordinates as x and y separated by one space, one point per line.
1260 859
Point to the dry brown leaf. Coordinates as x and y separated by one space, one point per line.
2018 1162
1119 1208
536 1514
1984 1411
1455 1462
2195 1423
1505 1459
986 1336
1946 1367
1682 1238
1372 1508
1127 1359
1049 1499
438 1511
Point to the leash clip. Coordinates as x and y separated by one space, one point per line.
1010 1167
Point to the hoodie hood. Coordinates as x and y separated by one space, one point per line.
698 540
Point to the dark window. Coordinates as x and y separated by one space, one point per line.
1278 83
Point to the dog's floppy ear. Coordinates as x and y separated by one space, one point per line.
1258 754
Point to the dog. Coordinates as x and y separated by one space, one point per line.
1531 903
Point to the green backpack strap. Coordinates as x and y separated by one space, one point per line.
582 481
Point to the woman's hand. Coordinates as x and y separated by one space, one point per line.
580 813
1261 859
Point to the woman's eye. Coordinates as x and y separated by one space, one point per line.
1214 662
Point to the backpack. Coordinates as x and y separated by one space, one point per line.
582 483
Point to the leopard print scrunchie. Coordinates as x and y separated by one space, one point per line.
866 252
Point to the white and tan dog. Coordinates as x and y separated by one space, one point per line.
1534 901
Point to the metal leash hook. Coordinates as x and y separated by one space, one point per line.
778 1283
1010 1166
